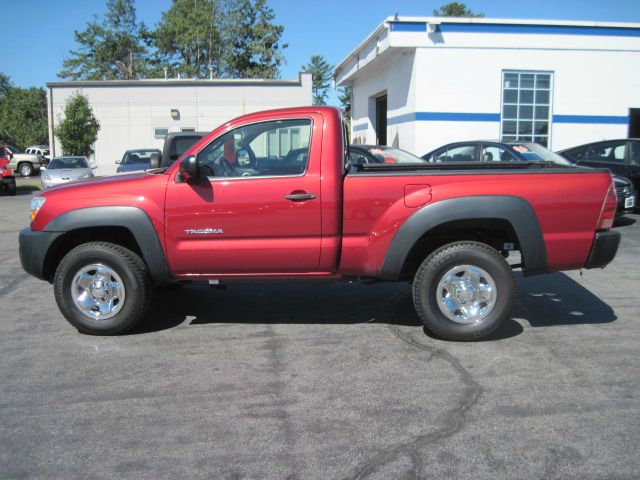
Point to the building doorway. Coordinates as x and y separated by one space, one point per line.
381 120
634 123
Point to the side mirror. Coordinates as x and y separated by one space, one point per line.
118 162
189 167
154 160
43 169
10 156
95 167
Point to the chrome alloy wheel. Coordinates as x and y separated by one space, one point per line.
98 291
466 294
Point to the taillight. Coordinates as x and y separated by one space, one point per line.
608 213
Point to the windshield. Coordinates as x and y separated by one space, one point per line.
138 156
537 153
392 155
68 162
13 149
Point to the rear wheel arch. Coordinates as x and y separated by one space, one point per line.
485 218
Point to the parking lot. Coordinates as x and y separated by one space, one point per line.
327 381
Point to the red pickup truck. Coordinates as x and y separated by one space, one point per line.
272 195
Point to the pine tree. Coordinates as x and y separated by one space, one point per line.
321 72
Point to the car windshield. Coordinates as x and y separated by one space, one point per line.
68 162
137 156
13 149
392 155
537 153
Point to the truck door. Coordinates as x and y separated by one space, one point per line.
256 208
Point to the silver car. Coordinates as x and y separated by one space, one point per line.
65 169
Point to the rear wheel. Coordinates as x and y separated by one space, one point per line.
102 288
463 291
25 169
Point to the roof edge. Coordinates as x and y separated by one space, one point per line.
187 82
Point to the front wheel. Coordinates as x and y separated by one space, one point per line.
102 288
463 291
25 169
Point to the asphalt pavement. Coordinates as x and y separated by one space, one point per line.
326 381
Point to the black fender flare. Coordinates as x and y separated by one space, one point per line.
133 219
515 210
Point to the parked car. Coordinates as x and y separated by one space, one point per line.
364 154
622 157
65 169
446 228
41 150
494 151
512 151
7 180
24 163
176 144
626 193
135 160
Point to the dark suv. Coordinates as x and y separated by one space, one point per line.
622 157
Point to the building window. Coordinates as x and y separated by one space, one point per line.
526 107
187 129
160 132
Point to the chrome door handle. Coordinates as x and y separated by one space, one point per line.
300 197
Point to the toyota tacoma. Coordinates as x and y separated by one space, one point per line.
272 195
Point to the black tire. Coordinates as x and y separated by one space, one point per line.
131 270
25 169
437 265
11 188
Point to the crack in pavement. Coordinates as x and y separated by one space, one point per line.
455 418
18 279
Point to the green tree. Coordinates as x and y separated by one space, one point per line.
345 98
188 38
455 9
23 114
254 47
321 72
229 38
111 48
78 130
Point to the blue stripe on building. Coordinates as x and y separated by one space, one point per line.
408 26
603 119
357 128
495 117
539 29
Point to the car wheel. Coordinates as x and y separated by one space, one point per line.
463 291
25 169
102 288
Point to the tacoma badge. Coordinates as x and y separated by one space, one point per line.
203 231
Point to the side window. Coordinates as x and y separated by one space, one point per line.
634 154
356 158
276 148
577 154
493 153
464 153
607 152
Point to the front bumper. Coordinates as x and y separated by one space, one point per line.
33 250
603 249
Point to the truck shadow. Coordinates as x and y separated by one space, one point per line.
557 299
543 301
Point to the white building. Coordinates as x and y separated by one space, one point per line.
419 83
139 113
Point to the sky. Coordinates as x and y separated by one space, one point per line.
38 34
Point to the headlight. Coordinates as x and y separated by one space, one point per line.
46 176
86 175
1 171
36 205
